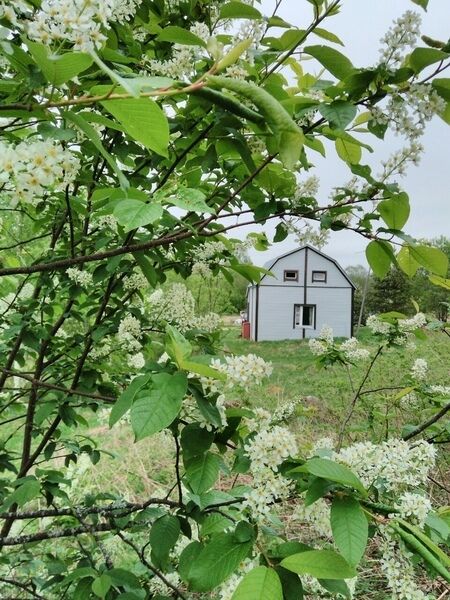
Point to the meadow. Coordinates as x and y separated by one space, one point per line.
322 397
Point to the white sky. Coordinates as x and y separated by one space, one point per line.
360 25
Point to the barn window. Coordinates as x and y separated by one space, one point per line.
319 276
290 276
304 316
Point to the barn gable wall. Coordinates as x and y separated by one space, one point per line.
271 310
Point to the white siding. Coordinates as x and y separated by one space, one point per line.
292 262
333 308
316 262
251 307
275 312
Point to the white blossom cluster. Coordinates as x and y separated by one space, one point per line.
352 351
419 370
243 370
393 465
182 63
34 167
208 322
399 571
136 361
401 334
398 162
135 282
305 233
158 586
101 350
78 22
399 38
206 254
305 189
414 507
284 411
176 306
82 278
441 390
266 451
376 325
325 342
408 112
13 11
129 334
317 515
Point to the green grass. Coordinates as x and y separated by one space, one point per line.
325 394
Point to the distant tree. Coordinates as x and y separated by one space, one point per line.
393 292
363 281
432 298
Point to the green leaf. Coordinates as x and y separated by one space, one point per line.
348 152
143 120
191 200
422 3
177 346
335 62
188 558
328 469
163 537
158 405
179 35
123 577
251 272
290 145
202 472
203 370
323 564
440 281
24 493
260 583
101 585
442 87
406 262
132 213
339 113
78 120
125 400
291 584
217 561
395 211
420 58
379 256
336 586
239 10
195 440
327 35
233 55
59 69
350 528
431 258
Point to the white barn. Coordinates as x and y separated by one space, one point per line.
308 290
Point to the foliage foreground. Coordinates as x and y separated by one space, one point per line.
131 132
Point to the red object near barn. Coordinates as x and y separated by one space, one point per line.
245 330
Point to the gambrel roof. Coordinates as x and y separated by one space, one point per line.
271 263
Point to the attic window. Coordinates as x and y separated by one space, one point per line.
290 276
304 316
319 276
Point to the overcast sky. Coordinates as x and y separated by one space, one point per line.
360 25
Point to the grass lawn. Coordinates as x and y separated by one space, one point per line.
323 395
